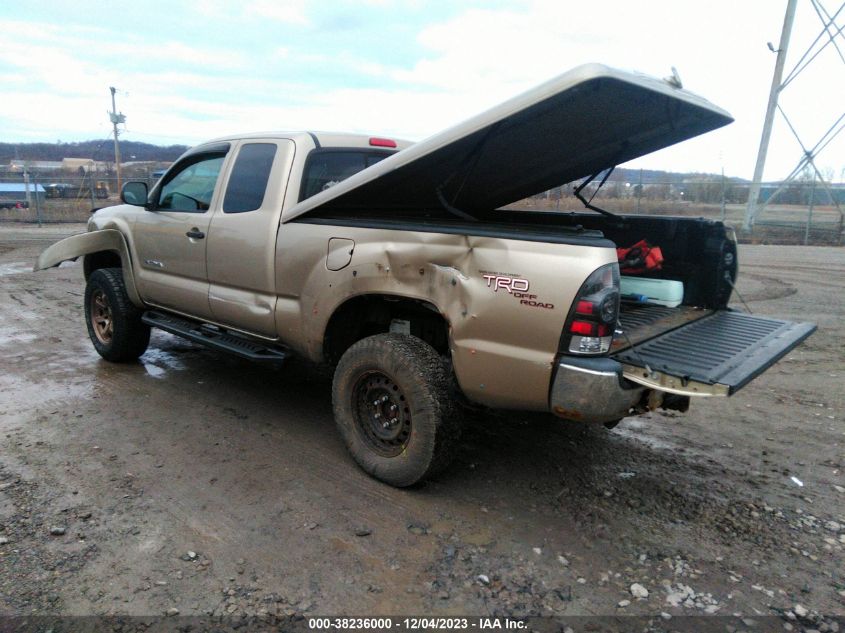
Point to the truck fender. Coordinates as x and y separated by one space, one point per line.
76 246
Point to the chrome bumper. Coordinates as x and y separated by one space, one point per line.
592 390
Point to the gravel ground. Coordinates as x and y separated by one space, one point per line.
199 484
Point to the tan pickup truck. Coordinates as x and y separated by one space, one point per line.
397 264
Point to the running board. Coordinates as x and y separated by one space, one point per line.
213 337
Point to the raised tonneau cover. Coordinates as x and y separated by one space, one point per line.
586 120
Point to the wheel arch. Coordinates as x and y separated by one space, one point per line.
365 315
105 248
100 259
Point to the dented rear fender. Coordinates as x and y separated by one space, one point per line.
504 300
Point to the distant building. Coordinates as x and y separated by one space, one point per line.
74 165
16 192
149 170
18 166
85 165
798 192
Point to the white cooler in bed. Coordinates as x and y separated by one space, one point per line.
665 292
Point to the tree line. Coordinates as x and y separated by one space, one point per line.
95 150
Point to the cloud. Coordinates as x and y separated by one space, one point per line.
482 56
111 49
400 71
285 11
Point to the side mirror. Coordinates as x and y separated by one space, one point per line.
134 192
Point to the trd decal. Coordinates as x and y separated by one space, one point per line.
506 283
516 287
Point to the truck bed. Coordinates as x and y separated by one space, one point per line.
640 322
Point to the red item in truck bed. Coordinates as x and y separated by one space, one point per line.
639 258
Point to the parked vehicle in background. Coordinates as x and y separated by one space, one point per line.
101 190
397 264
14 204
81 190
19 195
60 190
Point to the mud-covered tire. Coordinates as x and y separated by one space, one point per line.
114 323
402 371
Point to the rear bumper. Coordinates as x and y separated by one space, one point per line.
713 356
592 390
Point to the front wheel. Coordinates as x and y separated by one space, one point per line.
114 323
393 408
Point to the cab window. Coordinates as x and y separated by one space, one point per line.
248 181
191 187
327 167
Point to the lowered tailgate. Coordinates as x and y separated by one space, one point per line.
715 355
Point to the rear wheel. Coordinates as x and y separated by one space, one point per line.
114 323
393 408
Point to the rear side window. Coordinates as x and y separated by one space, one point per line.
328 167
248 182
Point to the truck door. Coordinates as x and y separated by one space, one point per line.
242 238
170 239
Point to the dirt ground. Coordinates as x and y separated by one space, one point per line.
196 482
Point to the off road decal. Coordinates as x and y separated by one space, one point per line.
515 286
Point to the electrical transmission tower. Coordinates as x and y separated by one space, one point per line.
831 35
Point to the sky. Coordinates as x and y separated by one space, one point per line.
191 70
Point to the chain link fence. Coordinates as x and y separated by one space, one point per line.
791 213
54 198
800 213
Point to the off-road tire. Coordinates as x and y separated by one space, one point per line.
120 336
422 379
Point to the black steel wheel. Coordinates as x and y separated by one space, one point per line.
382 413
393 408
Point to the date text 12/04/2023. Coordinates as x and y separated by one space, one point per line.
414 623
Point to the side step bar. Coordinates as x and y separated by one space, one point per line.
213 337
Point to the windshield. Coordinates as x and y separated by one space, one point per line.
327 167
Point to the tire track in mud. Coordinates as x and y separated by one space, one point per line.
773 288
118 382
184 499
35 340
588 466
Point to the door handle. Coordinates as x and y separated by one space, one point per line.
195 233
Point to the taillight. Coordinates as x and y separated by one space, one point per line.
592 319
584 307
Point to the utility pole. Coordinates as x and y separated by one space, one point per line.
810 211
92 174
639 191
26 185
754 192
115 119
37 203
